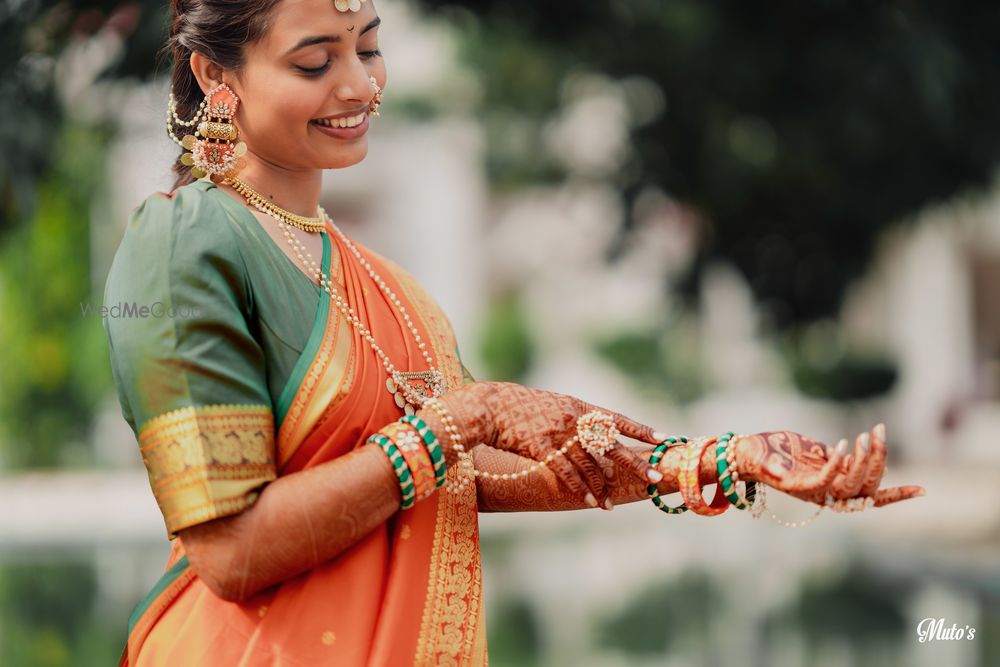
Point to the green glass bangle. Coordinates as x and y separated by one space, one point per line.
725 479
406 485
433 448
654 458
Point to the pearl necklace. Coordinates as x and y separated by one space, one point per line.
399 384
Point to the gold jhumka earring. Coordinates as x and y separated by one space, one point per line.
214 151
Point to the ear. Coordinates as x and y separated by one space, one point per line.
208 73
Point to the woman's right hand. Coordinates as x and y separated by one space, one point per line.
534 423
813 471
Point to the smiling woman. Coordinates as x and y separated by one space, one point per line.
311 436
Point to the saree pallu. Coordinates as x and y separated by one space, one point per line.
410 591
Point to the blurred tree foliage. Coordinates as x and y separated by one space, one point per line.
48 616
506 348
55 368
799 130
673 616
859 607
52 166
34 34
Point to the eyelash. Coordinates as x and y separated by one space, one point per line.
316 71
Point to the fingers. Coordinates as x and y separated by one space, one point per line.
824 477
894 494
876 467
592 475
849 484
629 427
570 476
630 462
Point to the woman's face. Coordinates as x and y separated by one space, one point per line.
309 71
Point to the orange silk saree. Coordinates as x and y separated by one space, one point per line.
408 593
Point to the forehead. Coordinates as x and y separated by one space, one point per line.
293 20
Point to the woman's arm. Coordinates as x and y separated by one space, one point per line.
299 521
789 462
542 491
303 519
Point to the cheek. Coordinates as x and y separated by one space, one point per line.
281 107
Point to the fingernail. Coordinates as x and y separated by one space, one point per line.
866 442
922 492
659 436
654 475
608 505
842 447
880 432
591 500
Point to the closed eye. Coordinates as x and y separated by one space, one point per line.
316 71
313 71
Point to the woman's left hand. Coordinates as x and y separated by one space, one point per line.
809 469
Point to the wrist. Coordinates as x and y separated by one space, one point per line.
436 424
745 448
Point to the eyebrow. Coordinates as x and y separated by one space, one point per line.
330 39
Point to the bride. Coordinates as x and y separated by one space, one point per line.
311 436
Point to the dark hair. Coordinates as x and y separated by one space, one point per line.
217 29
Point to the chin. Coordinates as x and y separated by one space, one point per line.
345 158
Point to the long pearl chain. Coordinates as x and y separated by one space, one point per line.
396 379
537 465
759 508
467 472
434 378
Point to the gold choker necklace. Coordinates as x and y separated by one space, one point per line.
257 200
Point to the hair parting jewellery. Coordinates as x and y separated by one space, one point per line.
348 5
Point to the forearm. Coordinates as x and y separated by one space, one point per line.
541 491
299 521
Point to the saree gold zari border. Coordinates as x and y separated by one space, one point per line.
452 627
208 461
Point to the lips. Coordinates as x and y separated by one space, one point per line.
327 126
345 122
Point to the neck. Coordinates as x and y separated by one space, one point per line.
293 190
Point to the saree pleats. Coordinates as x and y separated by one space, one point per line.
408 593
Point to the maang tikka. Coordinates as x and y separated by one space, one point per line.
214 148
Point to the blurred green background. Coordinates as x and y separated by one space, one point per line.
796 207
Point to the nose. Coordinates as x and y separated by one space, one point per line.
354 86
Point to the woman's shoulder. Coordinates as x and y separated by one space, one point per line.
188 231
196 219
194 209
